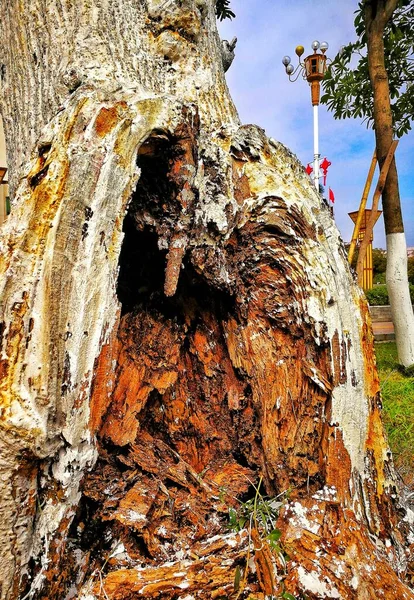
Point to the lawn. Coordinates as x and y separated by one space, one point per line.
398 401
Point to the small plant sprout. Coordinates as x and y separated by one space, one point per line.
259 515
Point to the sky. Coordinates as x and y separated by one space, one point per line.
267 30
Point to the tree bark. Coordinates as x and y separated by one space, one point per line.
180 335
377 13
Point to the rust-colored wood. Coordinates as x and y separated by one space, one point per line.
199 396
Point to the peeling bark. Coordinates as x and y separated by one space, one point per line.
180 329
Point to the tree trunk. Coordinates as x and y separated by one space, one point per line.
377 13
181 337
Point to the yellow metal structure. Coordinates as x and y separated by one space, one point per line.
363 218
361 213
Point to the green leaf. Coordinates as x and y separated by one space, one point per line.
237 578
223 10
288 596
275 535
232 519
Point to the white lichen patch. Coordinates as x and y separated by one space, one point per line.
180 554
135 517
231 539
326 494
252 565
409 516
72 461
312 582
300 518
339 567
162 530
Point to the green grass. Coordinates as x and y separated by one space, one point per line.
398 399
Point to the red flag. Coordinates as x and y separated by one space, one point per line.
331 196
325 164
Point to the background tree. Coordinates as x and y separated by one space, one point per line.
347 86
379 264
180 333
411 269
223 10
379 90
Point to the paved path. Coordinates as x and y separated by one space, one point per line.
383 331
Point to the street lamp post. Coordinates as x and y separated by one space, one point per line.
313 69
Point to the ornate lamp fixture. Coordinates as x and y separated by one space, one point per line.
313 69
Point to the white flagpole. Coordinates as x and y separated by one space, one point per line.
316 147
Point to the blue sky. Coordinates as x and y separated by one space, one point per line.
266 31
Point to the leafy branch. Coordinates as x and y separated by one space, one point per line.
223 10
347 87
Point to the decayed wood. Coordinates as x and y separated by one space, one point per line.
188 332
64 233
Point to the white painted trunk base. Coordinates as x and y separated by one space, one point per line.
399 295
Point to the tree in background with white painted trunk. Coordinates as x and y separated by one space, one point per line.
377 13
384 70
